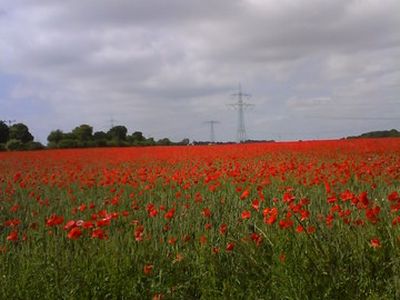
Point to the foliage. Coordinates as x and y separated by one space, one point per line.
83 137
83 133
4 132
137 136
68 143
379 134
34 146
100 135
20 132
164 142
14 144
184 142
17 137
55 137
118 133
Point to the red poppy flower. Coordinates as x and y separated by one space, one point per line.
285 223
147 269
74 233
230 247
172 240
87 224
139 233
246 215
54 220
223 228
203 240
206 212
170 214
375 243
394 196
13 236
282 257
69 225
256 204
256 238
157 296
311 229
99 234
245 194
103 222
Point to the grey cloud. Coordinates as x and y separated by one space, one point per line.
171 64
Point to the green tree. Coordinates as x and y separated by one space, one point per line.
164 142
100 139
149 142
20 132
184 142
69 136
138 136
68 143
4 132
55 137
83 133
100 135
118 133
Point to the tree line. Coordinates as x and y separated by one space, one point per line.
83 136
18 137
377 134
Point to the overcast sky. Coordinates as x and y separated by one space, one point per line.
314 69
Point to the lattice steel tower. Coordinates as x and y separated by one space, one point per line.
212 132
241 106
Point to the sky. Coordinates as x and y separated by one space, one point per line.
314 69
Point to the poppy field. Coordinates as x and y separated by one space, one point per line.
295 220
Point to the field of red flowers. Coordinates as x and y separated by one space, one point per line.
300 220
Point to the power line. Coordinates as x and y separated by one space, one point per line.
111 122
212 132
240 105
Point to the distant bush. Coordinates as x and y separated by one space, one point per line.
2 147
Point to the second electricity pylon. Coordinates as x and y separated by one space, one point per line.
212 132
241 106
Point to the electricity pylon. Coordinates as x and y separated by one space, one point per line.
240 105
112 122
212 132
